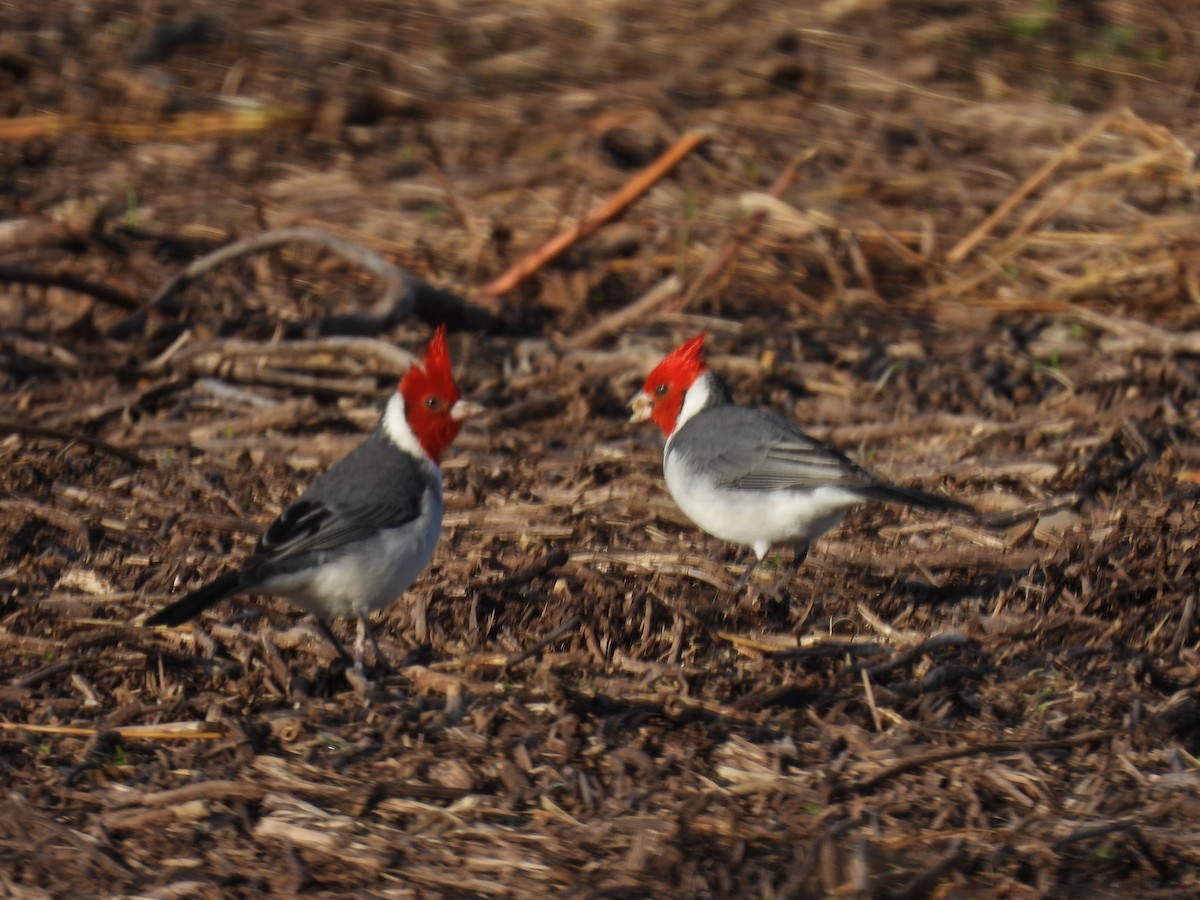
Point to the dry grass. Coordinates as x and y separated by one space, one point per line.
983 278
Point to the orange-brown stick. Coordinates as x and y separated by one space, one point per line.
632 189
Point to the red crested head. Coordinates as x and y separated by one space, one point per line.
661 398
431 404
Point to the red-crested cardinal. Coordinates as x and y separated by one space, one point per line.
747 476
363 531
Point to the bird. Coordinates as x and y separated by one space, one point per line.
359 536
752 477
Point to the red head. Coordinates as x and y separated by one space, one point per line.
661 397
431 404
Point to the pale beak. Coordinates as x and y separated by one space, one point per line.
641 404
464 409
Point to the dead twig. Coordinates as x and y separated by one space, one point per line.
30 232
632 189
42 353
724 256
393 306
47 671
22 275
71 437
46 830
656 564
286 415
1070 152
92 416
402 293
167 731
345 365
870 695
921 884
831 647
913 763
203 790
1184 628
536 569
1132 336
1006 518
654 298
934 643
1099 829
184 127
557 634
661 295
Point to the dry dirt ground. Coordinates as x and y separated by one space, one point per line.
983 278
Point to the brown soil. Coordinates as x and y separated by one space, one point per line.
984 279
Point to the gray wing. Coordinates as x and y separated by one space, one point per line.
741 447
310 526
376 487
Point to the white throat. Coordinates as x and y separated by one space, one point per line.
395 426
696 398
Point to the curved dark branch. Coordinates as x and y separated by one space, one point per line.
59 434
22 275
402 294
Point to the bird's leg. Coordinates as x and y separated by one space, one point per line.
364 624
333 639
360 643
789 571
745 576
356 674
352 664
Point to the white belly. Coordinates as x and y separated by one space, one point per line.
758 519
369 574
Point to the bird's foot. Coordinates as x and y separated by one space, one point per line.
745 576
779 588
365 633
787 571
337 645
775 606
382 667
358 679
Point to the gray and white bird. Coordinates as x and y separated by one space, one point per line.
747 476
365 529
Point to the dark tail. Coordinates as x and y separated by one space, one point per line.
197 601
891 493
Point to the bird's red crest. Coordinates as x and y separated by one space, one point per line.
429 394
670 380
686 361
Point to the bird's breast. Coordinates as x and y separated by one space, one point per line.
754 518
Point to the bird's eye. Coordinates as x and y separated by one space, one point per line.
660 391
433 403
